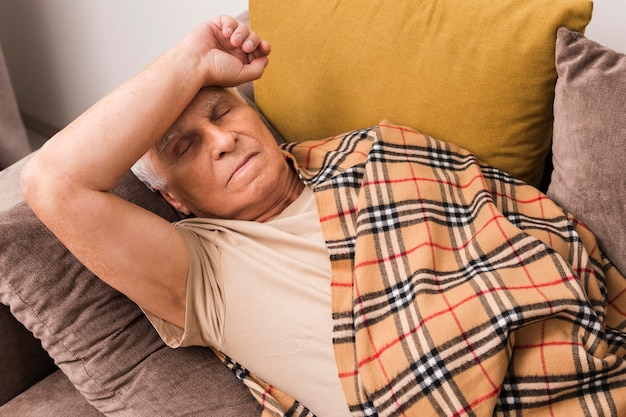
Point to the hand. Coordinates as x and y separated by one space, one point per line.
230 54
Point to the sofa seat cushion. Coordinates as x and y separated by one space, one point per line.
98 337
53 396
477 73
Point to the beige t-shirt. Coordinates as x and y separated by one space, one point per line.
260 293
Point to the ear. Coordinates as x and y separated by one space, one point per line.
174 202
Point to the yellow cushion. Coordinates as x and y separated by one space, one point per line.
478 73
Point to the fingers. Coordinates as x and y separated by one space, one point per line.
263 49
241 36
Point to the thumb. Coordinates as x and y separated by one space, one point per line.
254 70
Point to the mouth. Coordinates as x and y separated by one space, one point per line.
241 166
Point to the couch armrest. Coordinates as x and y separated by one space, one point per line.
10 184
24 362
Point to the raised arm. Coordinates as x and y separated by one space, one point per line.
67 182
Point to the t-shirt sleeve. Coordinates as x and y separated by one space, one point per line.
204 315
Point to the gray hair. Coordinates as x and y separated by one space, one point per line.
146 172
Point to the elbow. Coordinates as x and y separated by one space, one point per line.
38 185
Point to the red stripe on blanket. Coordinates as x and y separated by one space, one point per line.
450 309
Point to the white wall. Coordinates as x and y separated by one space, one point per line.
608 25
65 54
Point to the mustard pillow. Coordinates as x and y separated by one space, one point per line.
477 73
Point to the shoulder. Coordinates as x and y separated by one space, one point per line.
318 160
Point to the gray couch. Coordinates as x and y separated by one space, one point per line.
13 139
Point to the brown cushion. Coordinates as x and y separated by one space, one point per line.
98 337
590 138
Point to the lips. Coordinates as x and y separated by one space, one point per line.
241 166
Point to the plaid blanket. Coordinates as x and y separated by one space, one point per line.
457 290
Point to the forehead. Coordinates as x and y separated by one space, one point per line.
203 103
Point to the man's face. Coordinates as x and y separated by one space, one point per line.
219 160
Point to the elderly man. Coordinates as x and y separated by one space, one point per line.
216 159
375 273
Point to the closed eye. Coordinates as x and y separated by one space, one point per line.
220 112
183 145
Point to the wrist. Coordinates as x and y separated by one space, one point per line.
183 65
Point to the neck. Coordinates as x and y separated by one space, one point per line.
293 190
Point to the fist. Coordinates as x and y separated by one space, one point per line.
229 52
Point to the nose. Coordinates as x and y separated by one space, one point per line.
221 141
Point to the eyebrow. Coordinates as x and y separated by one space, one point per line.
166 139
213 101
